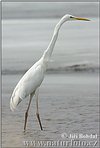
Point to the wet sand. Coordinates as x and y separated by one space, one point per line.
68 103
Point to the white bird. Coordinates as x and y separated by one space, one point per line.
32 79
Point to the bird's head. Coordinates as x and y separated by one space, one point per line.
68 17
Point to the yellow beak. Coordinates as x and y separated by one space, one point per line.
82 19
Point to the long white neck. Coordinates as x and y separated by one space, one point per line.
48 52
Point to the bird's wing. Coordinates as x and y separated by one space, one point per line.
28 84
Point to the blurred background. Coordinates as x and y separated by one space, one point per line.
28 28
31 10
69 96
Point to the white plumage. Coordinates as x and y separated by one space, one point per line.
28 83
33 78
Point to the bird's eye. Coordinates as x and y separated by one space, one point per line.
71 16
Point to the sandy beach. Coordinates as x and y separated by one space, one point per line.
68 104
69 94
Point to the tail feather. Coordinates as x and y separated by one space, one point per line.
14 102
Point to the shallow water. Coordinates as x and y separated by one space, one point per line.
77 43
69 101
68 104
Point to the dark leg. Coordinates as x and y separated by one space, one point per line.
26 114
37 110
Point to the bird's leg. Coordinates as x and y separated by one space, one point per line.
37 110
38 116
26 114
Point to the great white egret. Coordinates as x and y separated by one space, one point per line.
32 79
